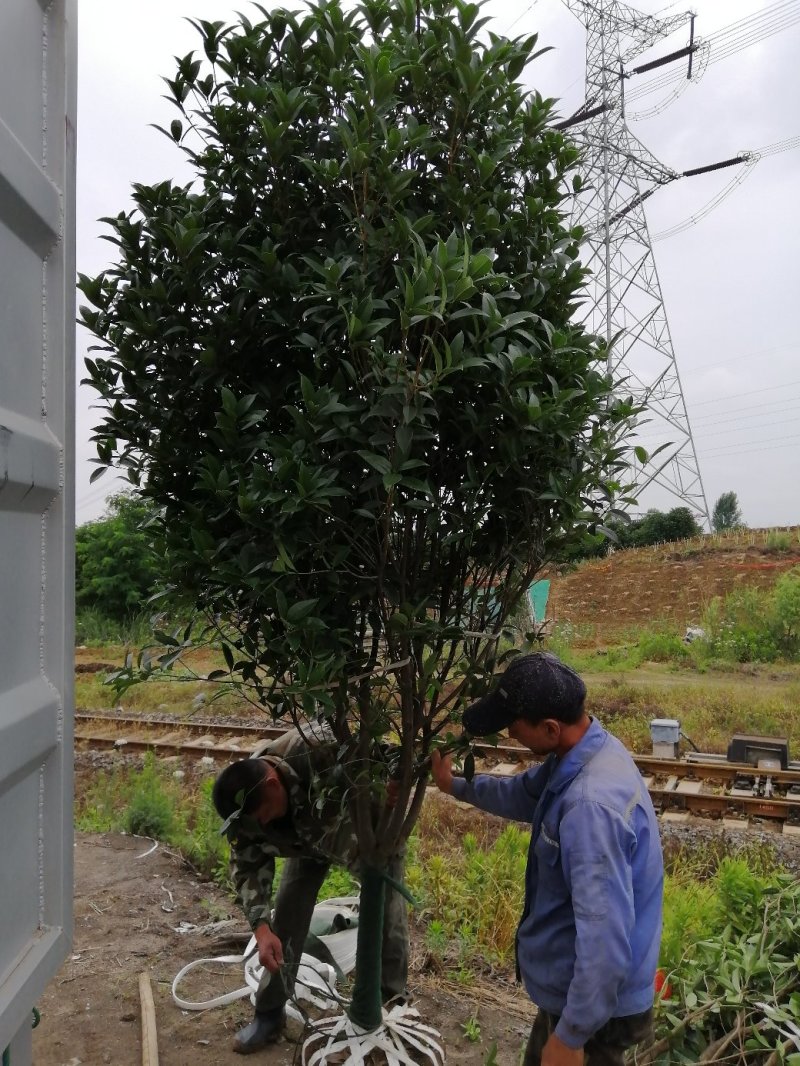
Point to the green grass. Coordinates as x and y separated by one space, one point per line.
180 692
709 713
178 696
95 629
582 648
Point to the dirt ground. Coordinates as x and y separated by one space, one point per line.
661 584
128 905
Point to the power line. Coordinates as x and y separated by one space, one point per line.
739 358
771 21
519 18
744 451
717 453
749 392
739 419
740 429
739 35
711 204
750 160
740 414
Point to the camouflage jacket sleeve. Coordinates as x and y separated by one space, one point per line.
253 873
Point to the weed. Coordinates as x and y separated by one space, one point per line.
150 802
202 844
691 910
436 940
786 605
339 882
741 961
472 895
472 1029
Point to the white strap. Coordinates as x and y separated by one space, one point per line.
315 977
216 1001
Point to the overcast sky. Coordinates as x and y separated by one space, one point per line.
730 282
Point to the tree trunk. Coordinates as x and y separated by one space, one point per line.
365 1009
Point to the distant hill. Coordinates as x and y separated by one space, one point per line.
669 582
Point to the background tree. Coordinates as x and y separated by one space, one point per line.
726 513
116 568
654 527
660 527
342 365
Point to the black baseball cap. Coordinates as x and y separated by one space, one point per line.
533 687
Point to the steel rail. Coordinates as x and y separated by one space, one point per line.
663 776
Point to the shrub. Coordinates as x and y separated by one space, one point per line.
787 611
779 540
657 527
663 647
742 626
151 809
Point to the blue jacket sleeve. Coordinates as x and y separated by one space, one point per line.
596 851
510 797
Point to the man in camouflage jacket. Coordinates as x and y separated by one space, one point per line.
293 809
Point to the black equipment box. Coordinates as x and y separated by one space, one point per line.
745 748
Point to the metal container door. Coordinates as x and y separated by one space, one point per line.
37 271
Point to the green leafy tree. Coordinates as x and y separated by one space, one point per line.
343 365
726 513
786 604
116 568
658 527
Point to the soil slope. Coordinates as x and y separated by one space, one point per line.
668 583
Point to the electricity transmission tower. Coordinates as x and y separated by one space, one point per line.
624 294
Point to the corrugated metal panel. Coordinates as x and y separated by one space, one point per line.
37 162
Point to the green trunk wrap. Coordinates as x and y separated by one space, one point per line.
365 1009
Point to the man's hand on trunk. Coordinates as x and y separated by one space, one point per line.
442 771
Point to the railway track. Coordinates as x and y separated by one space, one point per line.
703 786
169 735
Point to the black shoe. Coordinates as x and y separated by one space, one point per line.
264 1029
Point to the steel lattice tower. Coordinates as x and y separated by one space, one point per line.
624 293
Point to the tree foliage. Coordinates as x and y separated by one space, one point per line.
659 527
787 611
116 568
342 363
654 527
726 513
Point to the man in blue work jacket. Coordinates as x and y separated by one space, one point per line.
588 940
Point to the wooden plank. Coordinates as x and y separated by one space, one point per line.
149 1034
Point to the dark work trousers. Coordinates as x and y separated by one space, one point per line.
300 883
606 1048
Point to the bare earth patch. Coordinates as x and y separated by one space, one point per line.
659 584
127 907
